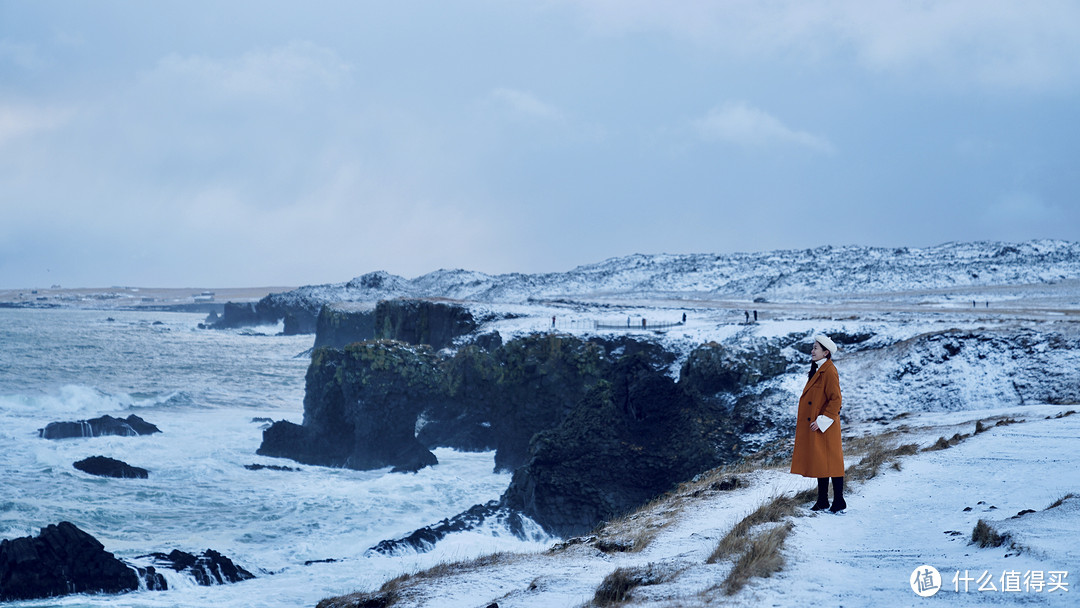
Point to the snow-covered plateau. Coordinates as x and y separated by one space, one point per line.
965 374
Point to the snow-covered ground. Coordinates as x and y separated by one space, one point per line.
922 514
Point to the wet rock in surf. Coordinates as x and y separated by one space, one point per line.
97 427
62 559
424 539
110 467
209 568
360 409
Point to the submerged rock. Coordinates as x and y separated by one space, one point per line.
110 467
96 427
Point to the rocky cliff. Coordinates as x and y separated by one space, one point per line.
341 324
591 427
422 322
299 316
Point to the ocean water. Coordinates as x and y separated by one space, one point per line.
210 393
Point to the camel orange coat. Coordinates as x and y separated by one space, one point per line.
819 454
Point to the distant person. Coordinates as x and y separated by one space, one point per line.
553 320
818 452
988 303
747 316
628 321
684 317
755 316
642 322
973 303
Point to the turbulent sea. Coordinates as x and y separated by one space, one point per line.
210 393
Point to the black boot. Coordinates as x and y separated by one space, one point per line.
822 494
838 503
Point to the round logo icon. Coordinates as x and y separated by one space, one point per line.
925 581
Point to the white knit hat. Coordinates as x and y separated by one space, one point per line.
827 343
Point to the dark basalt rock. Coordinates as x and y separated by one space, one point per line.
96 427
632 438
209 568
712 368
422 322
270 467
489 341
110 467
61 560
424 539
360 409
341 324
299 316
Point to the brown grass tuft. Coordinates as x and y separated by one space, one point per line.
985 536
1057 503
389 593
761 558
738 538
878 454
616 587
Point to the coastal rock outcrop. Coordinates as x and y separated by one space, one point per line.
339 325
62 559
591 428
360 408
110 467
422 322
299 316
208 568
633 437
96 427
386 403
424 539
712 368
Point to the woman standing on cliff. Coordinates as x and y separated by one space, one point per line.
818 452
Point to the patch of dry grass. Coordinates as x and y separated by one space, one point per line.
1057 503
760 559
877 452
390 592
738 539
986 536
634 531
616 586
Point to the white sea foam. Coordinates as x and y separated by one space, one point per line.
205 390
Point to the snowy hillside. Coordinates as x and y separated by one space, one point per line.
776 275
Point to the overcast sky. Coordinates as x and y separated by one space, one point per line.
267 143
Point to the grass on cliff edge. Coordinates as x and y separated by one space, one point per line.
754 547
393 590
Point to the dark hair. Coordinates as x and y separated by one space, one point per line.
813 364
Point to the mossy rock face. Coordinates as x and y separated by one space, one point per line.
537 381
339 327
712 368
361 407
634 436
422 322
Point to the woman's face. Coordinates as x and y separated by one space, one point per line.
817 353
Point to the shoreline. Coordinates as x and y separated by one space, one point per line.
166 299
